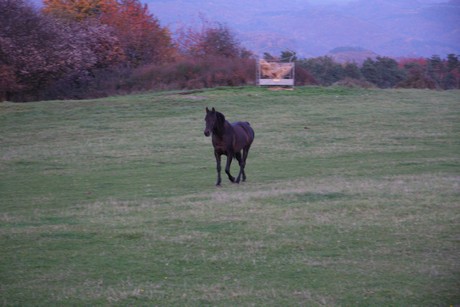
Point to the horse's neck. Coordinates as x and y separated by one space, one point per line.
221 129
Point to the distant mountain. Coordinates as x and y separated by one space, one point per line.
387 27
351 55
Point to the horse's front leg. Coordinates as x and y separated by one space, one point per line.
227 167
218 167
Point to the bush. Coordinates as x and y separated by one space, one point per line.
303 77
187 73
417 81
354 83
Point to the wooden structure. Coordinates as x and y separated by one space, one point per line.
273 73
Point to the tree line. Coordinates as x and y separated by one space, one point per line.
85 49
385 72
382 72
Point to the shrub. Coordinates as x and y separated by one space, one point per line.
186 73
354 83
303 77
417 80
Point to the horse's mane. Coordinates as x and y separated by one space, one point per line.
220 123
220 117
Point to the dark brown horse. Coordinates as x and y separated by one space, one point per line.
232 140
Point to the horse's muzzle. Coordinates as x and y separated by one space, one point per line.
207 133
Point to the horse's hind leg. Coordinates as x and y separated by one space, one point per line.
241 163
245 156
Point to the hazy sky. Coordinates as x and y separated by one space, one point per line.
387 27
287 2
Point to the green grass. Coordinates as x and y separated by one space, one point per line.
352 199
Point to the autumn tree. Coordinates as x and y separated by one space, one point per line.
211 40
143 39
78 9
416 74
220 41
416 77
31 49
36 50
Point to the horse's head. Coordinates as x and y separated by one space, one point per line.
210 121
214 120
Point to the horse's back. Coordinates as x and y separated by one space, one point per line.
244 134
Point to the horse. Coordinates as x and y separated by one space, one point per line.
231 139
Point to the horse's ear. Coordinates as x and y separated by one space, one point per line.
207 110
214 110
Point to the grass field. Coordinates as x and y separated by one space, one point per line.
352 199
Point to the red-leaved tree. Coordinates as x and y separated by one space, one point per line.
139 32
36 50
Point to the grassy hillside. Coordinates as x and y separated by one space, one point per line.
352 198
